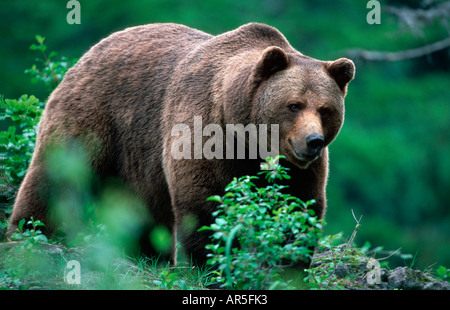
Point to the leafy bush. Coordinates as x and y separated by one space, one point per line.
48 70
18 142
259 232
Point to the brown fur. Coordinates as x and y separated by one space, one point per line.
129 90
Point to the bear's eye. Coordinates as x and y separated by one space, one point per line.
295 107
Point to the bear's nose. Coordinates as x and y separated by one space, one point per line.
315 143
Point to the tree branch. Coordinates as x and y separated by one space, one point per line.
396 56
416 18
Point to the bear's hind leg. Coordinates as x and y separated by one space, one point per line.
32 202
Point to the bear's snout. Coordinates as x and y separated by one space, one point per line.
309 149
315 143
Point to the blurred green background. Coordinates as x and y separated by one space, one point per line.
390 162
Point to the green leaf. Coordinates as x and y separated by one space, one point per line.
38 223
40 238
215 198
21 223
39 39
11 130
441 271
204 228
220 221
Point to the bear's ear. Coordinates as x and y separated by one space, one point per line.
342 71
273 59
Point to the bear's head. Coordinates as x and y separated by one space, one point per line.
305 97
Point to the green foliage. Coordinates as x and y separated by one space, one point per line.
31 237
48 70
27 258
18 142
259 232
97 230
175 278
442 273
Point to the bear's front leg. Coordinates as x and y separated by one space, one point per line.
194 242
192 212
191 182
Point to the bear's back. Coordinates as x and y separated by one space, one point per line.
128 66
113 97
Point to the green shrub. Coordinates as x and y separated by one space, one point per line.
48 70
18 142
260 232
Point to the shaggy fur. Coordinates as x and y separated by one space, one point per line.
123 97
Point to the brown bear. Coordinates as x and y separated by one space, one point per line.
124 97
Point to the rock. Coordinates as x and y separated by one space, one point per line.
342 270
354 272
384 275
405 278
437 285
